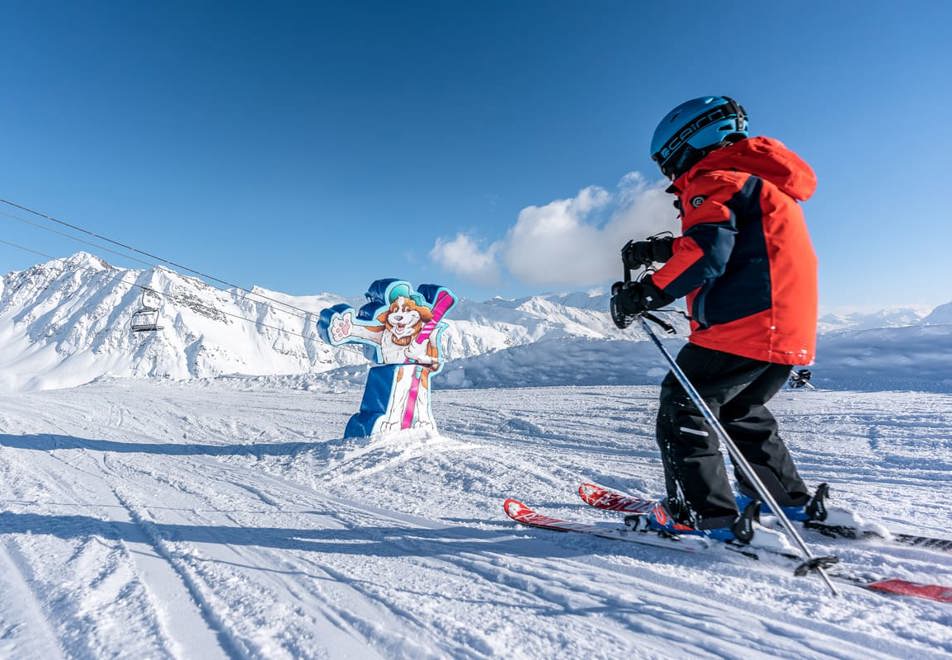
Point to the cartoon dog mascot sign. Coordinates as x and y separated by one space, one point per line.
403 326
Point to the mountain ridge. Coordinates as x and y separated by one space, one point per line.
65 322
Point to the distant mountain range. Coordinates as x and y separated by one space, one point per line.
67 322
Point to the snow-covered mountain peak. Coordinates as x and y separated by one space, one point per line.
311 303
67 321
85 260
890 317
941 315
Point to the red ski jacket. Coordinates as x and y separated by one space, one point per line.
744 260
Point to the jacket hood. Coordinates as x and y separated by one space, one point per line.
764 157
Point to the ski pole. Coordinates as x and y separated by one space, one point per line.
812 563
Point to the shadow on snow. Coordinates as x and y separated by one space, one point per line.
49 442
370 541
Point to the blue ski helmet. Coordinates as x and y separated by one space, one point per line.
693 129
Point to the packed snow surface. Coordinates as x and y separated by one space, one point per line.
226 518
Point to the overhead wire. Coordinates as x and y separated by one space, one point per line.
26 249
125 256
184 301
11 216
170 296
303 312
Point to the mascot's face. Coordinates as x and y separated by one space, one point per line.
405 318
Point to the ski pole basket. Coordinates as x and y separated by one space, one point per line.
801 378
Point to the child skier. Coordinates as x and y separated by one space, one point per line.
746 265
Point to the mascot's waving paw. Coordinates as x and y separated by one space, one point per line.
341 326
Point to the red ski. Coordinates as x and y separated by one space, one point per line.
524 515
906 588
609 500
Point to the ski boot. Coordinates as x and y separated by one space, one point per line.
741 532
813 511
829 521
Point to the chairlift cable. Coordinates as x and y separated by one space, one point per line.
151 256
176 299
75 238
185 302
120 254
131 258
26 249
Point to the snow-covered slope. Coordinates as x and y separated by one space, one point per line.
941 315
911 358
160 519
891 317
569 361
898 348
66 322
478 328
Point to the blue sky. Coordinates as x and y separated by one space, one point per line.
308 147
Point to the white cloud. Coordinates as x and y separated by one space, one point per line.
567 242
464 257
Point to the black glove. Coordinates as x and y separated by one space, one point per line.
644 253
633 298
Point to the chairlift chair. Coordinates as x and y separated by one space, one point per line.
146 318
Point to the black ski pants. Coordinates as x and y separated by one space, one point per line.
736 389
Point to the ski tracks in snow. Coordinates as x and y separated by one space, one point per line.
94 566
172 520
24 628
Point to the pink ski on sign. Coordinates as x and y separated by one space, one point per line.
444 300
440 306
411 399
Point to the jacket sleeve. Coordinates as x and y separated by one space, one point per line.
709 227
